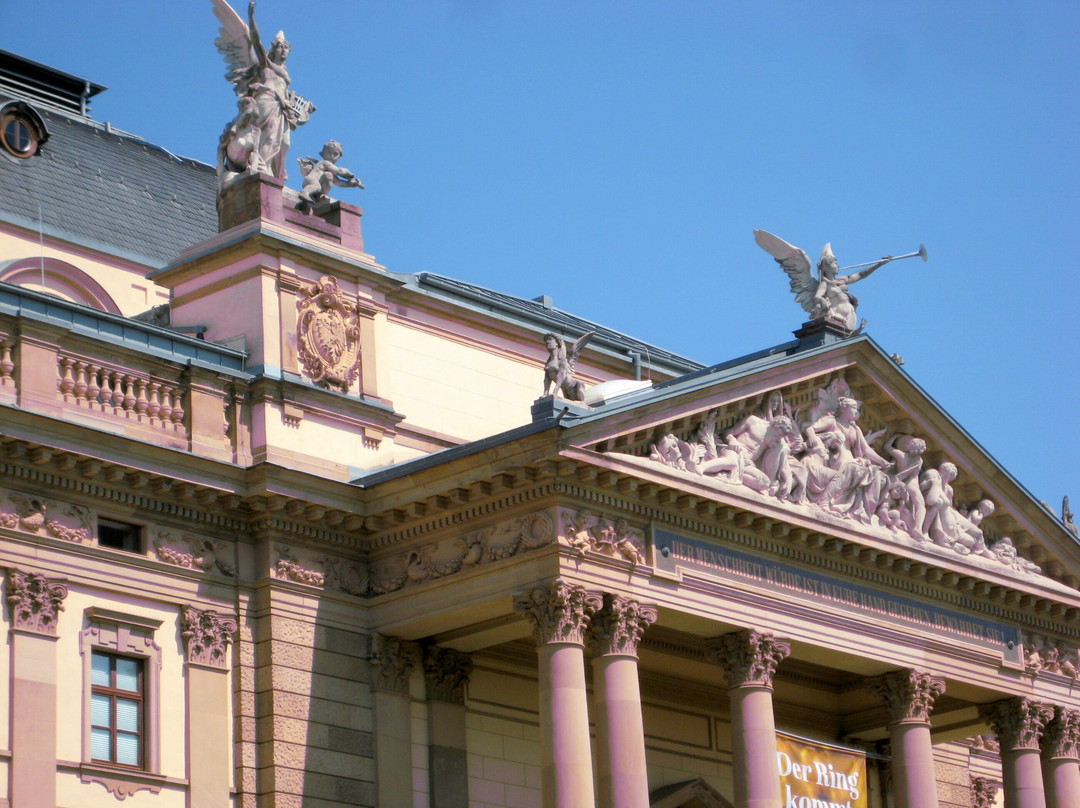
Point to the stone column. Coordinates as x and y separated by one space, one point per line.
35 603
983 792
1019 724
1060 764
206 638
559 613
749 659
392 660
909 697
446 672
614 634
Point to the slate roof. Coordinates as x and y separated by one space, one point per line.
110 190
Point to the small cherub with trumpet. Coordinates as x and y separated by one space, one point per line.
321 175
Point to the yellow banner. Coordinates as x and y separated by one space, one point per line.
817 776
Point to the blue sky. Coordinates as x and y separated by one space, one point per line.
618 156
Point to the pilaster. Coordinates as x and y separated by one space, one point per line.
446 673
392 661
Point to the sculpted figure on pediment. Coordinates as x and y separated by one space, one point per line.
825 462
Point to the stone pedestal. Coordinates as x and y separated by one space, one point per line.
615 632
1019 725
909 697
749 659
559 613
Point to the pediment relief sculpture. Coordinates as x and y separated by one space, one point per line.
820 461
328 335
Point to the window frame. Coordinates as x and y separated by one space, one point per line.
131 637
114 693
138 531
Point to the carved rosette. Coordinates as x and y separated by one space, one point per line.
328 335
983 792
1018 723
909 695
618 627
1061 739
749 658
35 601
558 611
446 672
206 636
392 660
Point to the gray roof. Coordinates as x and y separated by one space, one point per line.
110 190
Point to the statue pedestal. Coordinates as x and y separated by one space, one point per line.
821 331
260 196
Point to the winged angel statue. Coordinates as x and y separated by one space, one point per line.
559 370
826 296
257 140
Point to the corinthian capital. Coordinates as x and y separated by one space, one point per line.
1018 722
618 627
446 673
558 611
35 601
748 657
908 695
392 660
206 636
983 792
1061 739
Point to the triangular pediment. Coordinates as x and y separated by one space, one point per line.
690 794
776 434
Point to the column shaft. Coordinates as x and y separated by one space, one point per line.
914 777
566 756
753 748
1061 778
33 721
622 779
1021 771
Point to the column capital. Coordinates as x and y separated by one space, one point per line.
35 601
446 672
558 611
749 658
908 695
983 792
1061 738
619 626
206 636
392 660
1018 722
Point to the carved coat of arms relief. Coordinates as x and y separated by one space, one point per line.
328 335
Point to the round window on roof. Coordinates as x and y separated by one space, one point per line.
18 134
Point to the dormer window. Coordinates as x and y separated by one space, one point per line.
22 132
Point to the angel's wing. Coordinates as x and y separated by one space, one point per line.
796 263
307 164
233 42
575 349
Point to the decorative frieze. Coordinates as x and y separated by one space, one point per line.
192 552
42 517
206 636
1061 738
1018 723
35 601
909 695
559 612
615 538
986 743
328 335
350 577
749 658
451 556
983 792
818 461
392 660
619 626
1042 655
446 672
289 569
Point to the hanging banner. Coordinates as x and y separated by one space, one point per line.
814 775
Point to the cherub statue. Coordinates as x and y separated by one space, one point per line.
559 378
257 140
321 175
827 296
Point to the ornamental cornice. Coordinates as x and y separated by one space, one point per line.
1061 738
558 611
1017 722
908 695
206 636
35 602
617 629
749 658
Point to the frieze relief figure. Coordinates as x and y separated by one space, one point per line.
824 461
597 534
256 141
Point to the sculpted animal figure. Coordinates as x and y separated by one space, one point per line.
559 378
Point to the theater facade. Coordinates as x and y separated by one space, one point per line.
280 526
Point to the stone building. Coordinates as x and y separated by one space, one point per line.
283 527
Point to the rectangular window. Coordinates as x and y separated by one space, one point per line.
116 709
119 535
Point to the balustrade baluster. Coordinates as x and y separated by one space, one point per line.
141 403
6 365
93 386
67 382
80 383
178 411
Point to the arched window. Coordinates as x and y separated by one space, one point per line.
60 278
